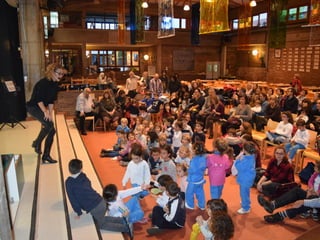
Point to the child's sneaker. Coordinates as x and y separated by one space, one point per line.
305 214
143 221
315 216
243 211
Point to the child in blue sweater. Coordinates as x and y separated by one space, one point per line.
244 169
195 177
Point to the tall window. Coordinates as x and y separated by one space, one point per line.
263 19
303 13
54 19
235 24
293 14
45 26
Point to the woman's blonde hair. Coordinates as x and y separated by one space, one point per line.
52 68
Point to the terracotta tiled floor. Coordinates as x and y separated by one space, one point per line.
250 226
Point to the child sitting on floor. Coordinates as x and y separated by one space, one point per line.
182 172
167 166
171 216
154 160
183 156
215 207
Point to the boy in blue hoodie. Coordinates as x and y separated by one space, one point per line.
244 168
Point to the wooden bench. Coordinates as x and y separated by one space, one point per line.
309 152
71 146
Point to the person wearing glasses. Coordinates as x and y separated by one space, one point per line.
279 171
41 105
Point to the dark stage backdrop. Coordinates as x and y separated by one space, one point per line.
11 105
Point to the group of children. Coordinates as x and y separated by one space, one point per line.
177 174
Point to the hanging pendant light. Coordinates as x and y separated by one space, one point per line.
253 3
186 6
145 4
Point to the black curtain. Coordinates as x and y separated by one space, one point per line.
133 26
12 103
195 18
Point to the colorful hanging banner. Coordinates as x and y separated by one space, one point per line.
315 12
165 20
214 16
278 26
139 21
244 27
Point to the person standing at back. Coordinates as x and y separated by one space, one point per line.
132 84
296 83
84 108
156 87
41 105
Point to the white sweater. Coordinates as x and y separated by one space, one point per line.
301 137
284 129
137 173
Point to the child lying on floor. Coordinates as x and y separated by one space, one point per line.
116 207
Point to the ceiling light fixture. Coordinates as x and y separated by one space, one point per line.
146 57
255 52
145 4
186 7
253 3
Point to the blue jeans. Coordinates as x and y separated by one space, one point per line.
292 149
276 137
216 191
195 189
47 129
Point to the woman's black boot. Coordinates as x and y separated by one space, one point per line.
48 159
37 147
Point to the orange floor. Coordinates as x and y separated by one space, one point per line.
250 226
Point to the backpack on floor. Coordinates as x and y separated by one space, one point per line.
306 173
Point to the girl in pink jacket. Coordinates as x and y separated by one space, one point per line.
218 165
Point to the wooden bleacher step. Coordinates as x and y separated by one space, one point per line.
50 219
71 146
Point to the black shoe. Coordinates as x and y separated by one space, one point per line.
154 230
267 205
274 218
37 147
83 133
48 159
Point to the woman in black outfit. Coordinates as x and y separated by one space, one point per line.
40 106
